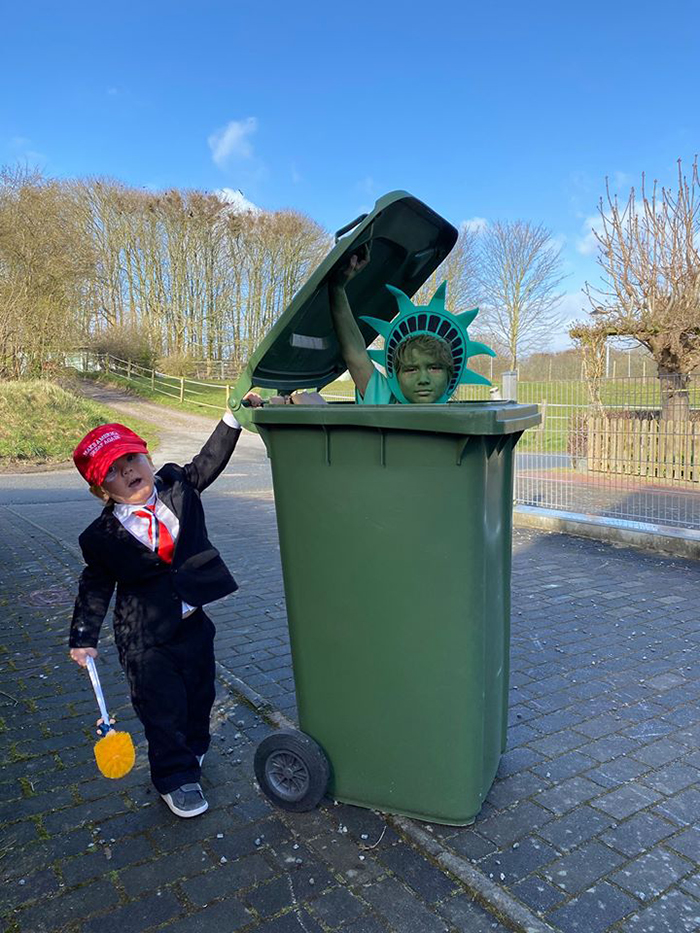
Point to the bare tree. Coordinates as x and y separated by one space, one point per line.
271 255
181 271
45 262
520 273
648 250
460 271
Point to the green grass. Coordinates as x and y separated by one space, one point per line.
560 401
40 422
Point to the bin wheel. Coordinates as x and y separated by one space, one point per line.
292 770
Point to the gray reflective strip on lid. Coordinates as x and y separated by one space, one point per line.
309 343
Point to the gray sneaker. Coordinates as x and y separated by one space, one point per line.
186 801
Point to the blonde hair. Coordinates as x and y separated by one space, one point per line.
428 344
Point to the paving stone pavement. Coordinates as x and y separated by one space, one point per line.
593 823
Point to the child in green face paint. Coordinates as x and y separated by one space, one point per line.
425 348
424 367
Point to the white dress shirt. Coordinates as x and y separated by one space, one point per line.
139 526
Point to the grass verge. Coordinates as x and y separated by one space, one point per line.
40 423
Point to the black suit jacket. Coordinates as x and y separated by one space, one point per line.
150 592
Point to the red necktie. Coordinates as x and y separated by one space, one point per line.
164 542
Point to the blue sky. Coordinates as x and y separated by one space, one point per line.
484 112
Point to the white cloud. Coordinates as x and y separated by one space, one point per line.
474 225
366 186
22 151
238 201
574 306
232 141
587 244
557 241
622 180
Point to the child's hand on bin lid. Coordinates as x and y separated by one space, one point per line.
249 400
356 263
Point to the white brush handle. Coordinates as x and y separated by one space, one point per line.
97 687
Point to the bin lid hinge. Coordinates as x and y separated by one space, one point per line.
496 443
462 444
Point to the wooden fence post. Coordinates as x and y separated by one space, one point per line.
153 380
182 388
128 370
228 393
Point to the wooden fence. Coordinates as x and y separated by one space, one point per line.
644 447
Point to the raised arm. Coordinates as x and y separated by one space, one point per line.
352 344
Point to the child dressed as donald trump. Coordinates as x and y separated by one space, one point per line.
150 542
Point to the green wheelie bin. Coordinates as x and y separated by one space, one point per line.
395 538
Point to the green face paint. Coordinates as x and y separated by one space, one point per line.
434 321
422 377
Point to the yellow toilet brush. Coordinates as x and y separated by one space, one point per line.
114 753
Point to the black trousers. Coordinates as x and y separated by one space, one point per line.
172 690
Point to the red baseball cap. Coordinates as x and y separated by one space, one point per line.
98 450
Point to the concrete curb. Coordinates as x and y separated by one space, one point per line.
487 893
664 539
259 703
248 695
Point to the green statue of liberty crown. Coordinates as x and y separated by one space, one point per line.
435 321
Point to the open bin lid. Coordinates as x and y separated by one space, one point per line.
408 241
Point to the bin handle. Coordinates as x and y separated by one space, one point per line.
348 227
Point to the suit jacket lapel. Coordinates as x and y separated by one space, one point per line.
169 496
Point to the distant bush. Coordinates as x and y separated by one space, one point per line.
126 343
177 364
